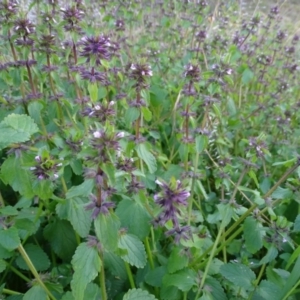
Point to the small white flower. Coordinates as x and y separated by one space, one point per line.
32 168
55 176
97 107
158 182
37 158
111 103
97 134
120 134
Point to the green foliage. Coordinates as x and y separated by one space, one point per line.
86 263
148 153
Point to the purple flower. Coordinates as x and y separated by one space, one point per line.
99 207
183 232
170 199
97 48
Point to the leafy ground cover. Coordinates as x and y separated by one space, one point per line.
148 150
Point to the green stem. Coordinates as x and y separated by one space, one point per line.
193 188
16 271
10 292
34 271
212 253
129 274
149 253
102 281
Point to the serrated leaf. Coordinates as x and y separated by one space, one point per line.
107 230
238 274
4 253
270 256
154 277
138 294
74 210
37 256
35 293
2 265
149 159
19 179
16 129
9 239
215 289
177 260
134 217
268 290
62 239
86 264
115 265
184 280
43 189
253 235
281 193
136 254
84 189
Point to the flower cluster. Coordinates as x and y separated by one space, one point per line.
171 199
45 168
96 48
139 72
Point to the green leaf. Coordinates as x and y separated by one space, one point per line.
177 260
134 217
37 256
93 91
146 113
61 237
270 256
268 290
253 235
86 264
215 289
247 76
43 189
34 110
136 254
170 293
8 211
19 179
154 277
16 129
4 253
84 189
68 296
201 143
131 114
35 293
292 281
73 210
2 265
9 239
138 294
115 265
149 159
238 274
183 280
107 230
297 224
